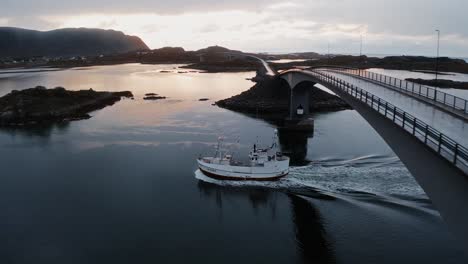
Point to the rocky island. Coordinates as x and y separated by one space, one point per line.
41 105
270 96
408 63
441 83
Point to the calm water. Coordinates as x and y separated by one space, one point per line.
121 187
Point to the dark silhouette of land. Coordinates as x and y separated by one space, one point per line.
17 42
40 105
441 83
409 63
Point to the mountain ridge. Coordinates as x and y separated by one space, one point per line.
20 42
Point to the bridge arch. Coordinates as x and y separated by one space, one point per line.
299 93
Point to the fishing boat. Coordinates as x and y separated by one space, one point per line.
265 164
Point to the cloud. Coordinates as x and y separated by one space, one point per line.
32 22
396 26
209 28
60 7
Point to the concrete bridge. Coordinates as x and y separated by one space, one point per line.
268 70
426 128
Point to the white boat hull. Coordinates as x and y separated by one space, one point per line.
269 172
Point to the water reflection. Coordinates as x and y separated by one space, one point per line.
258 198
294 145
44 131
311 239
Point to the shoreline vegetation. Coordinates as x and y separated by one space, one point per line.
40 105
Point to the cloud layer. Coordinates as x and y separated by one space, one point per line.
388 27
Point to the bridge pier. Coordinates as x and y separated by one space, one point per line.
299 119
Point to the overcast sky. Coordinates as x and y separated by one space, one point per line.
387 26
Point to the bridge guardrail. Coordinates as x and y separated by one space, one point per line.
431 137
451 101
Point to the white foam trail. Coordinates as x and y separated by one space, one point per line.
377 180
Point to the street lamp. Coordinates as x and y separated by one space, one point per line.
360 47
360 57
437 58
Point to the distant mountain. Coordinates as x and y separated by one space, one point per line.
17 42
216 49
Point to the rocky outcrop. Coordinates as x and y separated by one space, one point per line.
271 96
42 105
154 97
234 65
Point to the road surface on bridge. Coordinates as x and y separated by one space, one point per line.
454 127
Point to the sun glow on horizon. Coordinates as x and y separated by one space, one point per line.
249 31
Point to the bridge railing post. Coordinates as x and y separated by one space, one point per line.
440 143
404 119
426 134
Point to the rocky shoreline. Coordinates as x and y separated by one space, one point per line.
237 65
408 63
41 105
441 83
271 96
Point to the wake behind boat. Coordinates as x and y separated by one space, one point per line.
264 164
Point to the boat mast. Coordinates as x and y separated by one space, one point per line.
274 146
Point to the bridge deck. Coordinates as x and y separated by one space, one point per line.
452 126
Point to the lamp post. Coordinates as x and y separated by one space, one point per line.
360 56
360 47
437 58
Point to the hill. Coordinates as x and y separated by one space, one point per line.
17 42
